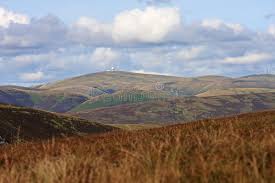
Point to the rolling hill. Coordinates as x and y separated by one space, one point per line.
18 123
90 91
234 149
111 82
180 109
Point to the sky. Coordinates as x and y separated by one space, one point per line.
45 41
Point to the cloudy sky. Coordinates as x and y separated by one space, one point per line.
45 41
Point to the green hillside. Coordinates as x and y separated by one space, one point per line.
175 110
126 97
40 99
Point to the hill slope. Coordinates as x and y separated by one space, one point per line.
235 149
55 101
26 124
118 98
66 95
184 109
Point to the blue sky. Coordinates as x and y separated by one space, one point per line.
247 12
45 41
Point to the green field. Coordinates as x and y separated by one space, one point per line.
128 97
180 110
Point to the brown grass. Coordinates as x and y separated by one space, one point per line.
236 149
17 123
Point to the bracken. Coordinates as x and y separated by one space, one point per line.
233 149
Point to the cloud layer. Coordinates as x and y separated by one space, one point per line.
8 17
153 40
31 77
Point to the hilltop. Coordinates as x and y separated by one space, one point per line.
17 123
111 82
233 149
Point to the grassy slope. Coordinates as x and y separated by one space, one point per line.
124 97
25 124
131 127
181 109
235 149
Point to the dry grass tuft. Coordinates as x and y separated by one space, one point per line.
236 149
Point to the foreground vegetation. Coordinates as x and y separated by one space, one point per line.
17 124
235 149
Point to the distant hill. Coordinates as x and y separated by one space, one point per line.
86 91
111 82
175 110
18 123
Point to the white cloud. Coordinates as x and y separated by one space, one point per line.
152 24
89 30
104 56
31 77
47 44
93 25
7 17
271 30
192 53
250 58
152 73
24 60
149 25
219 24
43 33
